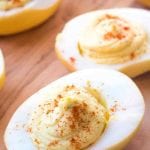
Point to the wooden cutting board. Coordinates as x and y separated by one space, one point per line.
31 63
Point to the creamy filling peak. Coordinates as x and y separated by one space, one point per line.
111 39
73 120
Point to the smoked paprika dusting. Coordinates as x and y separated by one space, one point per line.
15 1
74 115
116 107
126 28
29 129
59 96
132 55
19 2
76 112
112 35
53 143
120 36
75 142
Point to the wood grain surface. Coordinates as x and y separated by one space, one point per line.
31 63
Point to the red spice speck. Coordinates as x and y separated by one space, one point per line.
111 35
60 96
72 59
29 129
16 1
132 55
126 28
120 36
112 109
75 142
117 107
108 36
53 143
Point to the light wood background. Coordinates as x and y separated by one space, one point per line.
31 63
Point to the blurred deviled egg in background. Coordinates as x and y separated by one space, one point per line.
20 15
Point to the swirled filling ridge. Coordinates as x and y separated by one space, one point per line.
73 120
111 39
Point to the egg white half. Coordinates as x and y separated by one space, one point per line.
33 4
30 15
114 86
67 42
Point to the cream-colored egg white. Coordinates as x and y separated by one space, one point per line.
67 42
113 85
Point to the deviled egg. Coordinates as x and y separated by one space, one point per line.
94 109
111 38
20 15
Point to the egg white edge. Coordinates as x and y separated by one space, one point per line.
124 87
1 63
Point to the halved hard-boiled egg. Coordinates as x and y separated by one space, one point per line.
111 38
95 109
2 70
20 15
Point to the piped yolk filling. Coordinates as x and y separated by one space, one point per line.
111 39
10 4
73 120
